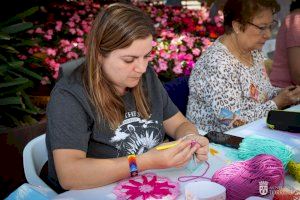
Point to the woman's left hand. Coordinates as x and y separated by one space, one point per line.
202 145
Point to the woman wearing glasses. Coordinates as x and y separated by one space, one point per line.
286 64
229 85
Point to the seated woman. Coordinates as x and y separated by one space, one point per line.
114 106
229 85
286 61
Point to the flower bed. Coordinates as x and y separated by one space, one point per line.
60 31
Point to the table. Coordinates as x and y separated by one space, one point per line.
216 162
105 192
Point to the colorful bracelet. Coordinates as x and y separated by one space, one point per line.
132 165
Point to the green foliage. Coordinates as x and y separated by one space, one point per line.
16 109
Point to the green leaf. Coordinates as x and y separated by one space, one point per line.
29 104
4 36
9 49
2 58
26 43
28 72
17 81
28 12
15 28
16 89
10 101
29 111
16 64
20 16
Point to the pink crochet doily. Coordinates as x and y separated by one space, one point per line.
147 186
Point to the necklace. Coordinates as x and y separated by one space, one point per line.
244 57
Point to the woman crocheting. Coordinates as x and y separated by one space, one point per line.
107 117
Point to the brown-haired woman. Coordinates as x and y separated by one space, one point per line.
229 85
114 106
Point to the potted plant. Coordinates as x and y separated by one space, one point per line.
19 117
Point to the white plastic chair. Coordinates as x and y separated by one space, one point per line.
34 157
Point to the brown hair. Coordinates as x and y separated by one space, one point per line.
115 27
243 11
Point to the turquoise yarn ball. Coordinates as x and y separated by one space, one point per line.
254 145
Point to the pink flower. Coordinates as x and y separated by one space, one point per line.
39 30
67 49
196 52
177 70
51 52
22 57
31 31
58 25
71 24
72 54
72 31
182 48
163 66
188 57
64 43
79 32
147 186
45 80
48 37
52 63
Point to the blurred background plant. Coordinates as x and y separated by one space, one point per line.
16 108
38 41
182 35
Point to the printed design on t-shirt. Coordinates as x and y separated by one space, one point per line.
230 118
264 72
257 95
254 92
136 135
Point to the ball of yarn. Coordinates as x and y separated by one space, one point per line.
255 145
286 194
242 179
294 170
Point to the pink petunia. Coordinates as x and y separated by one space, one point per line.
39 30
51 52
71 24
72 54
196 52
58 25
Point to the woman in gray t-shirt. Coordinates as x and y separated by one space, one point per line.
113 106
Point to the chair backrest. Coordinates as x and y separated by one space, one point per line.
35 155
178 91
67 68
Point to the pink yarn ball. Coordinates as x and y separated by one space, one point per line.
241 179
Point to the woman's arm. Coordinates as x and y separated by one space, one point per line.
76 171
294 64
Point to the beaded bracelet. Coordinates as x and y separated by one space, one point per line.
132 165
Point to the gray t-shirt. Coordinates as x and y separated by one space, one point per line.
72 121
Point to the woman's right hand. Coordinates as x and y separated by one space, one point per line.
176 156
288 96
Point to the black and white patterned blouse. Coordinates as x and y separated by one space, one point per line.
224 93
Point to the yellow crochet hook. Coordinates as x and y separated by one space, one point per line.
167 145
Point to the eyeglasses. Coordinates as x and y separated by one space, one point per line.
263 29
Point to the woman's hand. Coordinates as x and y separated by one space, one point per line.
288 96
176 156
203 143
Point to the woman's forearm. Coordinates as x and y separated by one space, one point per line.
87 173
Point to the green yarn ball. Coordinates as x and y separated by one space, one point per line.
254 145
